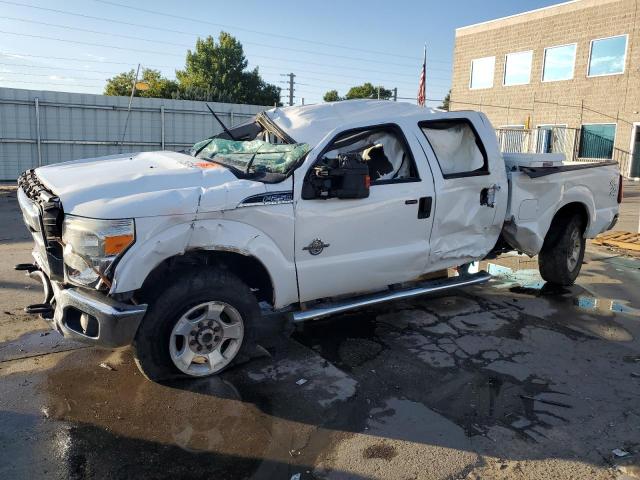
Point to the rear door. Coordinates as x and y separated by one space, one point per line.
354 245
471 185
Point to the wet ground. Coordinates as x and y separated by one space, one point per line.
510 380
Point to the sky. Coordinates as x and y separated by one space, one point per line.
75 45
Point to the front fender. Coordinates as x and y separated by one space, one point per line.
158 239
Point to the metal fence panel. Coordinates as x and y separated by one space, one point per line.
576 145
77 125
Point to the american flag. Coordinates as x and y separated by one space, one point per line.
422 87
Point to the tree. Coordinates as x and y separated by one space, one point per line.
445 102
331 96
159 86
367 90
213 72
216 72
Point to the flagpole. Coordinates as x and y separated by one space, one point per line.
424 86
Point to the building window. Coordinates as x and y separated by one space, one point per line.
559 63
517 68
482 72
607 56
596 141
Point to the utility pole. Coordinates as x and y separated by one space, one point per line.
291 85
291 81
395 94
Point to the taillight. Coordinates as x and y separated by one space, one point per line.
620 194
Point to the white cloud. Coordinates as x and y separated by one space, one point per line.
11 55
96 57
59 78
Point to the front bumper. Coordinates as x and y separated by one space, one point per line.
93 318
85 315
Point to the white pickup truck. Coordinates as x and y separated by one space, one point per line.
307 210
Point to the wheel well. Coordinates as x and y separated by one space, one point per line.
561 217
249 269
571 209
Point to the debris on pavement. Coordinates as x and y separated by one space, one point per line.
302 381
107 366
295 476
618 452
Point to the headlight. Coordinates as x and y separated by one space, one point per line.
91 246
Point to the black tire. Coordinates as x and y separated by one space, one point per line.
187 289
560 259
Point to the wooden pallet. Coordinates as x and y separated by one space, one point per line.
624 240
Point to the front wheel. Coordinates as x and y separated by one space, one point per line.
560 259
196 326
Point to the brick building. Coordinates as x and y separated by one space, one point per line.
565 78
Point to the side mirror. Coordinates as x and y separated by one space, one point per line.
346 177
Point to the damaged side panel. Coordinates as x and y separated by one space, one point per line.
535 201
264 232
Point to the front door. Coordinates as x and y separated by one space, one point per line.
634 170
357 245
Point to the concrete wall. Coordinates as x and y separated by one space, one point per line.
607 99
75 125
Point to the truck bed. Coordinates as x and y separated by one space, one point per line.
537 192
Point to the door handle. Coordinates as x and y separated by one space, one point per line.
424 208
488 196
410 202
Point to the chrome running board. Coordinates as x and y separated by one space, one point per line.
424 288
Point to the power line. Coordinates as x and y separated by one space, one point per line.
48 75
155 52
132 37
323 88
269 34
53 84
58 68
20 55
78 42
319 88
151 27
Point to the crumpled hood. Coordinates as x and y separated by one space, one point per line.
144 185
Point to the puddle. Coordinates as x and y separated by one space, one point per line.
604 305
472 396
36 343
528 282
483 401
352 341
205 428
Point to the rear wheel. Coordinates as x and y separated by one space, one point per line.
198 325
560 259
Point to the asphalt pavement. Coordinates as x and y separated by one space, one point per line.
513 379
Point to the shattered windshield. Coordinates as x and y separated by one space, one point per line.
254 156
